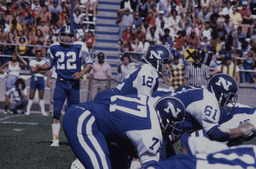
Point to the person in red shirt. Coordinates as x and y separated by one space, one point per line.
193 40
247 17
179 40
28 8
139 34
90 40
127 34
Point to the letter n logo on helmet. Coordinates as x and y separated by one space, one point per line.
155 54
224 83
171 107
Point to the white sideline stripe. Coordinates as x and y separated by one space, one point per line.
92 139
14 122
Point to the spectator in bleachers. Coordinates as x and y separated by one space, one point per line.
154 10
183 8
81 34
152 35
78 18
161 17
141 36
137 45
126 46
216 5
204 14
127 20
137 20
44 14
91 8
22 48
143 8
3 37
174 22
39 36
14 35
12 74
236 18
127 34
190 14
145 26
253 6
193 27
151 19
35 6
229 26
16 6
50 36
205 4
90 41
159 5
15 25
206 32
246 16
125 66
168 38
179 40
193 40
17 97
26 18
126 5
221 32
43 27
30 32
240 63
55 10
14 15
28 8
161 27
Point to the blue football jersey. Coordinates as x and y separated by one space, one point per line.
68 60
130 120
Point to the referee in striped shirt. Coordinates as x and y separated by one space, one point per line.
196 74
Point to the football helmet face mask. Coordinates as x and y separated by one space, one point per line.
159 57
225 89
67 35
170 111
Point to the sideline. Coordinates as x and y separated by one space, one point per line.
14 122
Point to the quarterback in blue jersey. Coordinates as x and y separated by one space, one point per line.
202 153
67 57
144 79
136 122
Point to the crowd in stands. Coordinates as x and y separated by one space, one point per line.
214 27
29 25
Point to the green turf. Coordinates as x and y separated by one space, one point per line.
25 146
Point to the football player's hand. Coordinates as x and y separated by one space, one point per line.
246 128
77 75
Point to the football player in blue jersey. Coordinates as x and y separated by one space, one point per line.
203 108
135 122
67 57
144 79
201 153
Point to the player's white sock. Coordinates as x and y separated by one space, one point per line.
41 104
30 102
55 131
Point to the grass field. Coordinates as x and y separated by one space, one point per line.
25 144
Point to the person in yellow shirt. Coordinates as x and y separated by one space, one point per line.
15 25
236 18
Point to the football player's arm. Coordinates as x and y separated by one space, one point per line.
86 69
224 134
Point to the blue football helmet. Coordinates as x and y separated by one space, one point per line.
170 111
159 57
183 88
67 35
225 89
